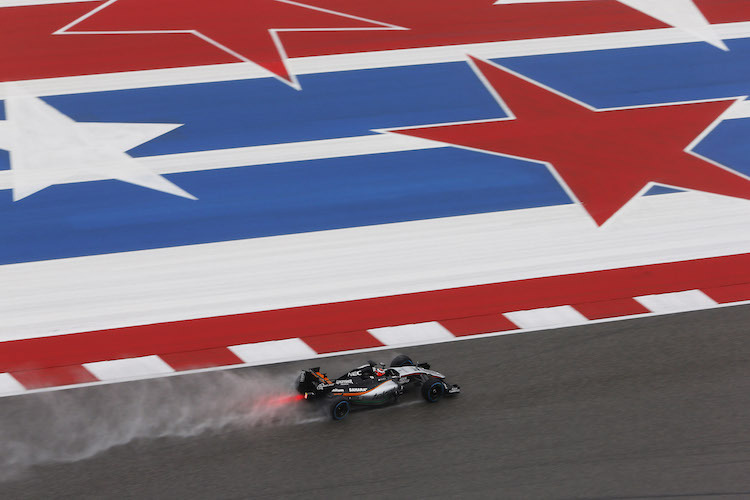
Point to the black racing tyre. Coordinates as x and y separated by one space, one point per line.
339 408
402 360
433 389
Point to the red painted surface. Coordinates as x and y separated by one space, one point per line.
731 293
55 376
611 308
204 358
439 305
32 51
474 325
241 26
341 341
642 144
452 22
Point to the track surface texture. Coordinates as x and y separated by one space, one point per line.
646 408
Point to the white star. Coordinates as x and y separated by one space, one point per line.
47 148
682 14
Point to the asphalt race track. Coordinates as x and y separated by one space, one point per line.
647 408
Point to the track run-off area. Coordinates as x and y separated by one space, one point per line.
549 201
643 408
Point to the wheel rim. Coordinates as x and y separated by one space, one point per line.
436 390
340 410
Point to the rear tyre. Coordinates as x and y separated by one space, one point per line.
339 408
402 360
433 389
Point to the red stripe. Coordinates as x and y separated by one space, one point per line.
358 315
727 294
37 53
611 308
344 341
53 377
204 358
478 324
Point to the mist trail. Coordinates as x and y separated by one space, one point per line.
67 426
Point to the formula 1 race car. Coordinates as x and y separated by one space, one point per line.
372 385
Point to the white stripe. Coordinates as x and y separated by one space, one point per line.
47 298
273 153
366 60
128 368
273 351
665 303
22 3
683 14
418 333
298 151
9 385
547 317
738 110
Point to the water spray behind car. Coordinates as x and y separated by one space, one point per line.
73 425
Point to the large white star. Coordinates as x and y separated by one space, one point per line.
47 148
682 14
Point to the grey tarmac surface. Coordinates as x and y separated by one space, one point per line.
651 408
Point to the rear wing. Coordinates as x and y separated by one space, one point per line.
312 382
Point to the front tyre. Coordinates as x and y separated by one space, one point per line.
339 408
433 389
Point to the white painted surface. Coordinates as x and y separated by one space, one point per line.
45 298
547 317
418 333
9 385
48 148
257 155
20 3
369 60
682 14
666 303
274 351
738 110
128 368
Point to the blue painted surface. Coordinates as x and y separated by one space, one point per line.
729 144
344 104
253 112
111 216
643 75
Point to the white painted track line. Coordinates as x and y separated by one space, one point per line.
25 3
666 303
273 351
547 317
9 385
128 368
263 155
417 333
